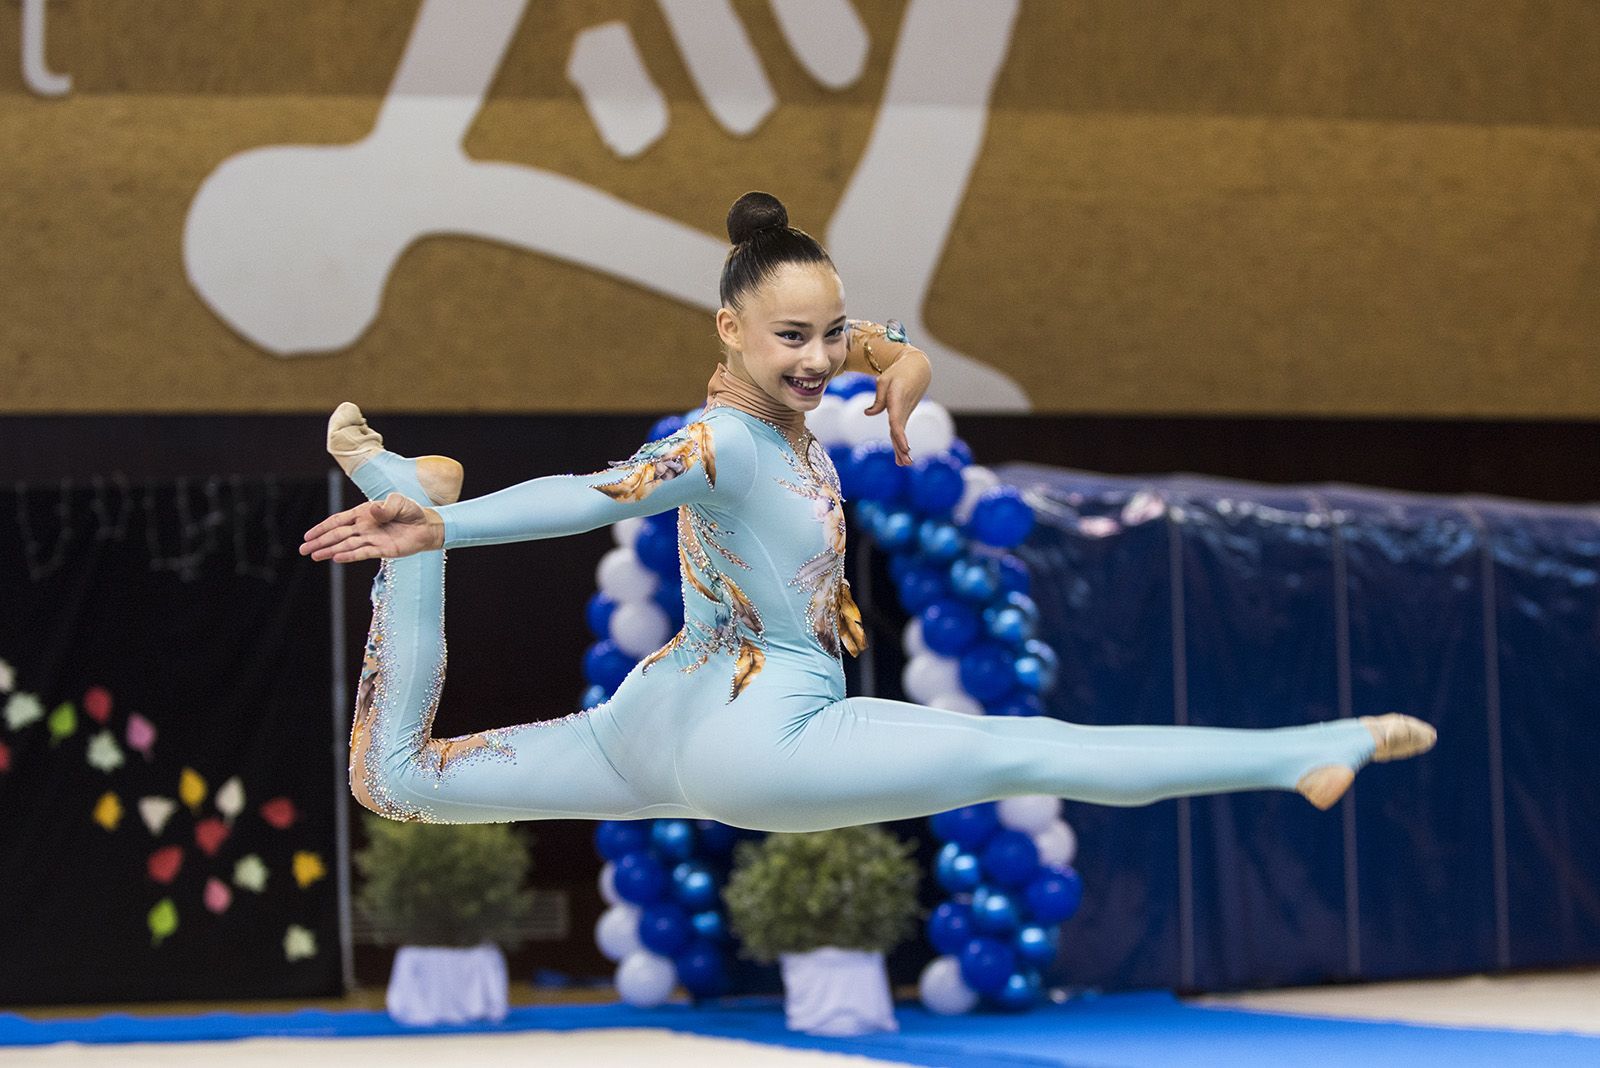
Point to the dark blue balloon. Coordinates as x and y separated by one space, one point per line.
1014 577
957 872
851 383
921 585
657 548
975 578
594 695
996 913
986 963
664 927
1017 704
710 925
1034 943
971 825
1001 518
878 477
1010 858
896 530
948 627
597 613
606 665
639 878
669 595
939 540
1021 990
936 485
700 969
986 671
1008 625
716 839
1036 669
615 839
674 838
840 455
1054 895
950 927
666 426
961 452
1022 603
694 886
868 514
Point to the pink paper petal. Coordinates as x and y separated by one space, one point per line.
217 895
141 735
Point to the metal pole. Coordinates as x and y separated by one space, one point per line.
340 703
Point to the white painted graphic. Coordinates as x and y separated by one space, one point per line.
36 72
292 245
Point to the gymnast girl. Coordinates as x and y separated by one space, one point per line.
742 715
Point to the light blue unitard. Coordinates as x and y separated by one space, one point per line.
742 717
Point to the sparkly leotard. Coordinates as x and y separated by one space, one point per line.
742 716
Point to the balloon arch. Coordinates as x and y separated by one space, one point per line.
947 524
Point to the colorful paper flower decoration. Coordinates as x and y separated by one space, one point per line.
163 920
299 943
230 799
217 895
108 811
191 788
165 863
307 868
97 703
63 722
23 709
280 813
155 811
250 874
141 736
104 753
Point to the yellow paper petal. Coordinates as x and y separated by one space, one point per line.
191 788
108 811
308 868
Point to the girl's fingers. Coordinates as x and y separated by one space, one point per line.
329 538
338 519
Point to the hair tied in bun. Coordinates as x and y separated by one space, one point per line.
754 213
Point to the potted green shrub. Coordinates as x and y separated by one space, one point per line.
451 896
827 906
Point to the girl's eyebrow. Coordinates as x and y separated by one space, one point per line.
802 322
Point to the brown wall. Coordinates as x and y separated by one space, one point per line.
1223 207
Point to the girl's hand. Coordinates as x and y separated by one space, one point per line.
900 388
393 527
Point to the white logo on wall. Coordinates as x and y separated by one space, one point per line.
292 245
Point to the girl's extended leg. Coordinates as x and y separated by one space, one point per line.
863 759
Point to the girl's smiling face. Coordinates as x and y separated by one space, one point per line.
788 336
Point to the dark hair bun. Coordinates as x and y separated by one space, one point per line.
753 212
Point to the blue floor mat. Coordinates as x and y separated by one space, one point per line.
1117 1031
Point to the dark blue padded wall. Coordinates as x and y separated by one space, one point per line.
1182 600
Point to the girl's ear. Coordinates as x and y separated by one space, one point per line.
728 329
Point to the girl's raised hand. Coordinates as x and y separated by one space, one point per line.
393 527
900 389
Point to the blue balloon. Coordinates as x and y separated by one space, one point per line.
700 969
986 963
840 455
1011 858
896 530
615 839
948 627
594 695
939 540
878 477
1016 704
1054 895
1043 651
1014 577
598 614
716 839
1008 625
960 451
606 665
674 838
1037 668
935 485
666 426
996 914
710 925
1034 943
1022 603
694 886
639 878
1001 518
869 514
950 927
900 563
921 586
986 671
669 595
1021 990
851 383
971 825
976 579
664 927
956 871
657 548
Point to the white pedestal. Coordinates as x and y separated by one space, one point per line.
836 992
432 985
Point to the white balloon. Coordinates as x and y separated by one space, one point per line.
1030 814
623 578
855 427
979 480
608 884
930 430
639 627
626 531
645 980
957 701
1057 844
617 931
912 638
929 675
823 420
943 990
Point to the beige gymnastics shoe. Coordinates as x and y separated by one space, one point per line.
1397 738
352 443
